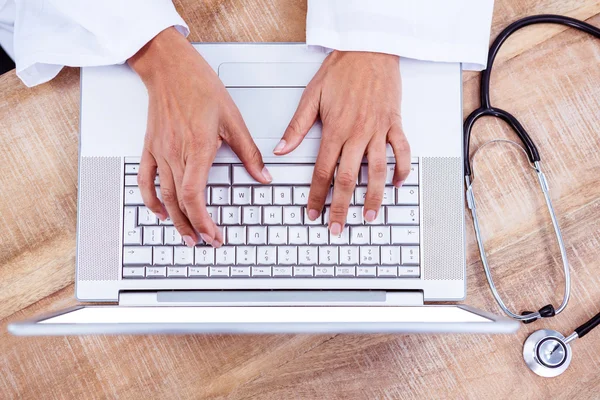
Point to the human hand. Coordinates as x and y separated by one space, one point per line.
190 114
357 95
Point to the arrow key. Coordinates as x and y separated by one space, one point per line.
137 255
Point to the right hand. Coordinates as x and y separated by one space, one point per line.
190 114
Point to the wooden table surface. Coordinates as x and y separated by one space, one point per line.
548 76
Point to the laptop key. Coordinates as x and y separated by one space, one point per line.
137 255
369 255
328 255
146 217
246 255
303 271
183 255
156 272
132 169
133 196
405 235
241 196
261 271
219 272
399 215
345 271
163 255
387 272
410 255
287 255
266 255
390 255
413 176
257 235
219 175
204 255
409 272
219 196
407 195
282 272
177 272
324 272
153 235
298 234
133 272
198 272
263 195
282 195
349 255
360 235
366 271
240 272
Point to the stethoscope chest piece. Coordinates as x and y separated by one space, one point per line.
547 353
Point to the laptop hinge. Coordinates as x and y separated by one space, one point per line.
272 298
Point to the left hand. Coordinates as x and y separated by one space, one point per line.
357 95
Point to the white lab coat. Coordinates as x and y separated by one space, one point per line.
42 36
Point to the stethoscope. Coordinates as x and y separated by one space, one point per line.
546 352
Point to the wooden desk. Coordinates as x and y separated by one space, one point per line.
548 77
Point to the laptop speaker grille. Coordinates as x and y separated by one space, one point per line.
98 247
443 247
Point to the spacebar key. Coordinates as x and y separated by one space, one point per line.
283 174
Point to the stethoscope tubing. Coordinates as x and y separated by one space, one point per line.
541 343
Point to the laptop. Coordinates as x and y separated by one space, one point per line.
277 271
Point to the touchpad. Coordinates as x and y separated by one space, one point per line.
267 111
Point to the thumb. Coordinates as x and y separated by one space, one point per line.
304 118
239 139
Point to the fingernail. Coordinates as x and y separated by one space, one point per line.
398 183
206 238
163 214
279 147
267 174
189 242
370 215
335 228
216 243
313 214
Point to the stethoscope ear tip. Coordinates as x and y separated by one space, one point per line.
547 353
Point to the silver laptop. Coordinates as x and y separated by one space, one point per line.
277 271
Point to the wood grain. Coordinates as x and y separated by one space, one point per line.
547 76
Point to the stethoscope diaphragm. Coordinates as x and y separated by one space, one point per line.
547 353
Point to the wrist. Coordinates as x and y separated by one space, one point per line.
157 54
366 54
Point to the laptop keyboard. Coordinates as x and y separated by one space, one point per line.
267 233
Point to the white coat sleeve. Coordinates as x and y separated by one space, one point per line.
433 30
51 34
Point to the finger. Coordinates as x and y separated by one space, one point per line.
193 188
304 118
344 184
323 171
377 171
218 237
240 141
177 170
145 179
169 196
401 148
